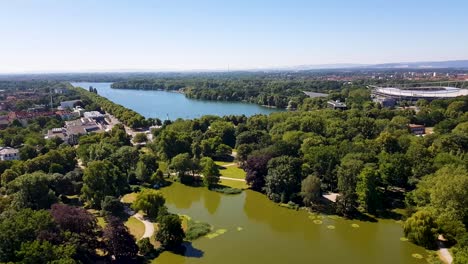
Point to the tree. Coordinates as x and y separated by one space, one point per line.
27 152
347 178
283 179
119 242
145 246
181 164
101 179
140 138
256 168
395 169
17 227
32 191
44 252
81 229
150 202
111 206
125 158
421 229
366 188
145 167
310 189
170 233
210 172
7 176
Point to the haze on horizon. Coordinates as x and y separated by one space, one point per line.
87 35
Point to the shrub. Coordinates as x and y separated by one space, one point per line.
196 229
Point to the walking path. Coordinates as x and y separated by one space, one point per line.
149 226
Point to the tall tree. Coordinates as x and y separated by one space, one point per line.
170 234
101 179
210 172
369 198
150 202
283 179
119 242
256 168
310 189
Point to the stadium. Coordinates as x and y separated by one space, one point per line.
414 92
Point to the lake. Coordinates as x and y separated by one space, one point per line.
163 104
257 230
252 229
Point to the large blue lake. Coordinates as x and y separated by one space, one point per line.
162 104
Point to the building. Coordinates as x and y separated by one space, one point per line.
417 129
25 117
4 121
96 115
385 102
74 129
67 115
7 153
337 105
415 93
69 104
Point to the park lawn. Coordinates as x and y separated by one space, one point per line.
129 197
135 227
153 241
231 171
234 184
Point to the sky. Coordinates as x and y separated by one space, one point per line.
158 35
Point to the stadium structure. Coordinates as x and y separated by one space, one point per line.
415 91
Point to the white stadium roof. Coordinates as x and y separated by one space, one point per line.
421 92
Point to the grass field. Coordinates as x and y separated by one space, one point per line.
234 184
129 197
136 227
230 171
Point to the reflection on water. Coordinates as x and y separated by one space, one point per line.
273 234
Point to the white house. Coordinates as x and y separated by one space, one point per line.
7 153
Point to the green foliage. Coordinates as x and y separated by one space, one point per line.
210 172
170 233
150 202
310 189
421 229
17 227
368 194
196 229
32 191
283 179
44 252
101 179
145 247
111 206
181 164
140 138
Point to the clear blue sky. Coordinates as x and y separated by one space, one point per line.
77 35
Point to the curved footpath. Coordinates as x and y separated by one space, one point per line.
149 226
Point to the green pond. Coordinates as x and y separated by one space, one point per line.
248 228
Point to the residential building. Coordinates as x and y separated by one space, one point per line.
7 153
417 129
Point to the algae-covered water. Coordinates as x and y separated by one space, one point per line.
248 228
